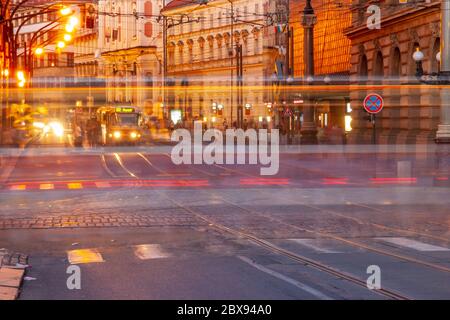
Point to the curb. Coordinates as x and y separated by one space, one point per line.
12 271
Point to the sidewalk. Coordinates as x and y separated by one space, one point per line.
12 270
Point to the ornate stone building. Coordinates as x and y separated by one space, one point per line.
331 59
202 61
86 43
382 60
128 35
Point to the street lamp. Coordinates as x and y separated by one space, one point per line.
20 79
69 28
67 37
65 11
61 44
73 21
38 51
418 57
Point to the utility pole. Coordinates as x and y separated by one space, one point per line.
164 62
239 73
443 132
231 60
309 19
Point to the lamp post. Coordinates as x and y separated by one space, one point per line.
418 57
308 130
443 132
442 77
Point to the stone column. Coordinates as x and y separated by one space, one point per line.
309 130
443 132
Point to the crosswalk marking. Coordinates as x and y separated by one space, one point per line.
84 256
413 244
74 186
315 244
150 251
47 186
18 187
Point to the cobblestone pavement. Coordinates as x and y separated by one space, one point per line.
9 258
98 220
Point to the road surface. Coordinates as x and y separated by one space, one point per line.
166 231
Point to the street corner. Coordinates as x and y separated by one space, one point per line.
13 266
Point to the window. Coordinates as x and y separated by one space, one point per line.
52 60
148 29
70 59
135 21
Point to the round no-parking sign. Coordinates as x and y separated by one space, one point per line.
373 103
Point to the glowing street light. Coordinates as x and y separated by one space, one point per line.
73 21
20 75
65 11
61 44
67 37
69 28
38 51
21 79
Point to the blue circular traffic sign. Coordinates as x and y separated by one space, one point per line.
373 103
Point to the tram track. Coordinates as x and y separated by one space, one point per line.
359 221
271 247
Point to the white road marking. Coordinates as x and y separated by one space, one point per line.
295 283
315 245
150 251
84 256
413 244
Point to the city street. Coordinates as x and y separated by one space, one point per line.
155 230
224 150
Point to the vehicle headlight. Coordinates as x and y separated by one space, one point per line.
117 134
133 135
39 125
57 128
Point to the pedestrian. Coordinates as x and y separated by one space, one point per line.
92 131
78 136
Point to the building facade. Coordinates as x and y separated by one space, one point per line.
128 35
44 53
331 62
4 46
383 59
85 43
204 82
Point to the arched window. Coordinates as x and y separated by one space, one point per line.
396 65
436 49
363 69
378 67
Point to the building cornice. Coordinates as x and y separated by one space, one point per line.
402 16
127 50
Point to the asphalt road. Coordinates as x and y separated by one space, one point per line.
166 231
